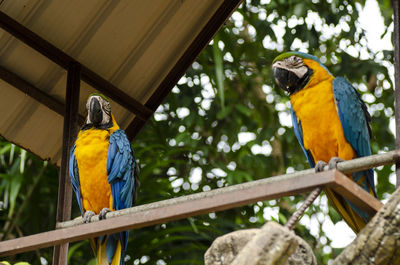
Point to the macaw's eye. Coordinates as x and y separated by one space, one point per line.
106 107
295 61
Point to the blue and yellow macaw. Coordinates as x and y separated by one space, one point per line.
104 175
330 121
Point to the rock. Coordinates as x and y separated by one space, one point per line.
272 244
225 248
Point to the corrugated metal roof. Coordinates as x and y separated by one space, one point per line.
133 44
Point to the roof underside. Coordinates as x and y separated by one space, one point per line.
140 47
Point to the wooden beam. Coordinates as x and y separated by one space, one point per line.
64 60
191 205
142 112
198 44
34 41
34 92
60 252
396 45
353 192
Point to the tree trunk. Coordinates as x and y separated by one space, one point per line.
379 241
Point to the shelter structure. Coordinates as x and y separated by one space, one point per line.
53 54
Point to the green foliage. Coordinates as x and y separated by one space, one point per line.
28 192
194 142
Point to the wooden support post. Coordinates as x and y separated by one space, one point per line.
396 45
60 253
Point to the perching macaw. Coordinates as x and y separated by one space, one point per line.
330 121
104 175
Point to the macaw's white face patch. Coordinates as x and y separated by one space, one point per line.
97 107
293 64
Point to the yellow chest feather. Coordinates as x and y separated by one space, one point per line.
322 130
91 156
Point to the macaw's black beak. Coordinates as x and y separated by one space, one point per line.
289 81
95 112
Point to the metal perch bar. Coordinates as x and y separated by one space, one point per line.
368 162
210 201
345 167
250 192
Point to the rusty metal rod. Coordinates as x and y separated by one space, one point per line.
309 200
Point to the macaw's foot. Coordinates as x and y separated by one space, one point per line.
103 213
87 216
319 167
334 161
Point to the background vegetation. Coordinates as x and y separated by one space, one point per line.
224 123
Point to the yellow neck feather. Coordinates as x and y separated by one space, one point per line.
319 73
115 125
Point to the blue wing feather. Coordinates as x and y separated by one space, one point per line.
354 118
122 176
74 175
299 135
121 170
